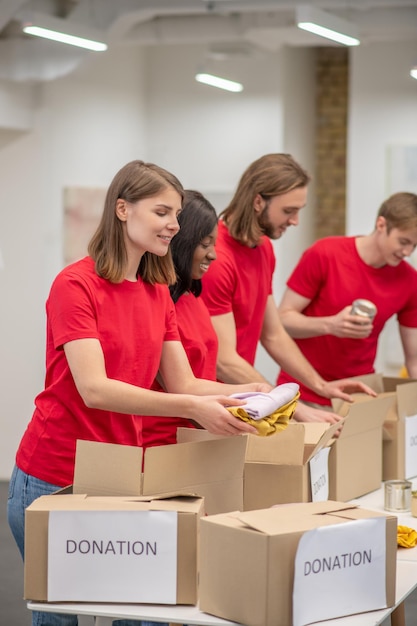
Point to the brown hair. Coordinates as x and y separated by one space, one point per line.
400 211
271 175
135 181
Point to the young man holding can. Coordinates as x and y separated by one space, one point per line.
316 308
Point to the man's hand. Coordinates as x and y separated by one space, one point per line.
346 325
341 389
306 413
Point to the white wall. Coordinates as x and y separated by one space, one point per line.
382 113
144 104
85 127
208 137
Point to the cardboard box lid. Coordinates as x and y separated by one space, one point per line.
380 383
300 517
296 445
285 448
366 413
116 470
318 435
407 400
188 465
77 502
107 469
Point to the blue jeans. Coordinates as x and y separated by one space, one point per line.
23 490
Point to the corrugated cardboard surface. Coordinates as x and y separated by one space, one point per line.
212 469
256 551
360 439
403 394
276 467
36 537
111 476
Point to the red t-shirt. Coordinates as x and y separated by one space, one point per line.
239 282
332 274
200 343
131 321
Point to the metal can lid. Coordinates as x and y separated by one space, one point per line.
364 307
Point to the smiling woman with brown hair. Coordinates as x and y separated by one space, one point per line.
111 326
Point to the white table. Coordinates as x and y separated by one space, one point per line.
374 501
406 583
105 613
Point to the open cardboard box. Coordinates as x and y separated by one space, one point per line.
108 480
355 460
276 467
248 571
211 469
400 424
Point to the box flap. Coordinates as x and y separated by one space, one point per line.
58 501
107 469
285 447
185 466
341 407
392 383
407 400
213 469
168 495
318 436
291 517
185 435
375 381
365 414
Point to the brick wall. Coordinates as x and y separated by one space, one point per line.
332 67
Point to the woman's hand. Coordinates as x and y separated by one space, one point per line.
211 414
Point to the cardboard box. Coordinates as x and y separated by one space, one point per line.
355 460
109 481
277 468
212 469
400 425
248 570
93 549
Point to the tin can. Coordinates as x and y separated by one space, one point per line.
414 503
365 308
397 495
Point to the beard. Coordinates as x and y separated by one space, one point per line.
266 225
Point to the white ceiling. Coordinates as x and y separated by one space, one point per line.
224 26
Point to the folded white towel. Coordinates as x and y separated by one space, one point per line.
259 405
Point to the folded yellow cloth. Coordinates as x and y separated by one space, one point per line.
406 537
271 424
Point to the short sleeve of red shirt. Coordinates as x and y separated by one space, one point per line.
306 278
239 282
331 274
131 320
75 307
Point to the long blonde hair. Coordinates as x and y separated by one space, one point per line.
133 182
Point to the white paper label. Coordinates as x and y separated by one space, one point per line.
411 446
340 570
319 475
112 556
